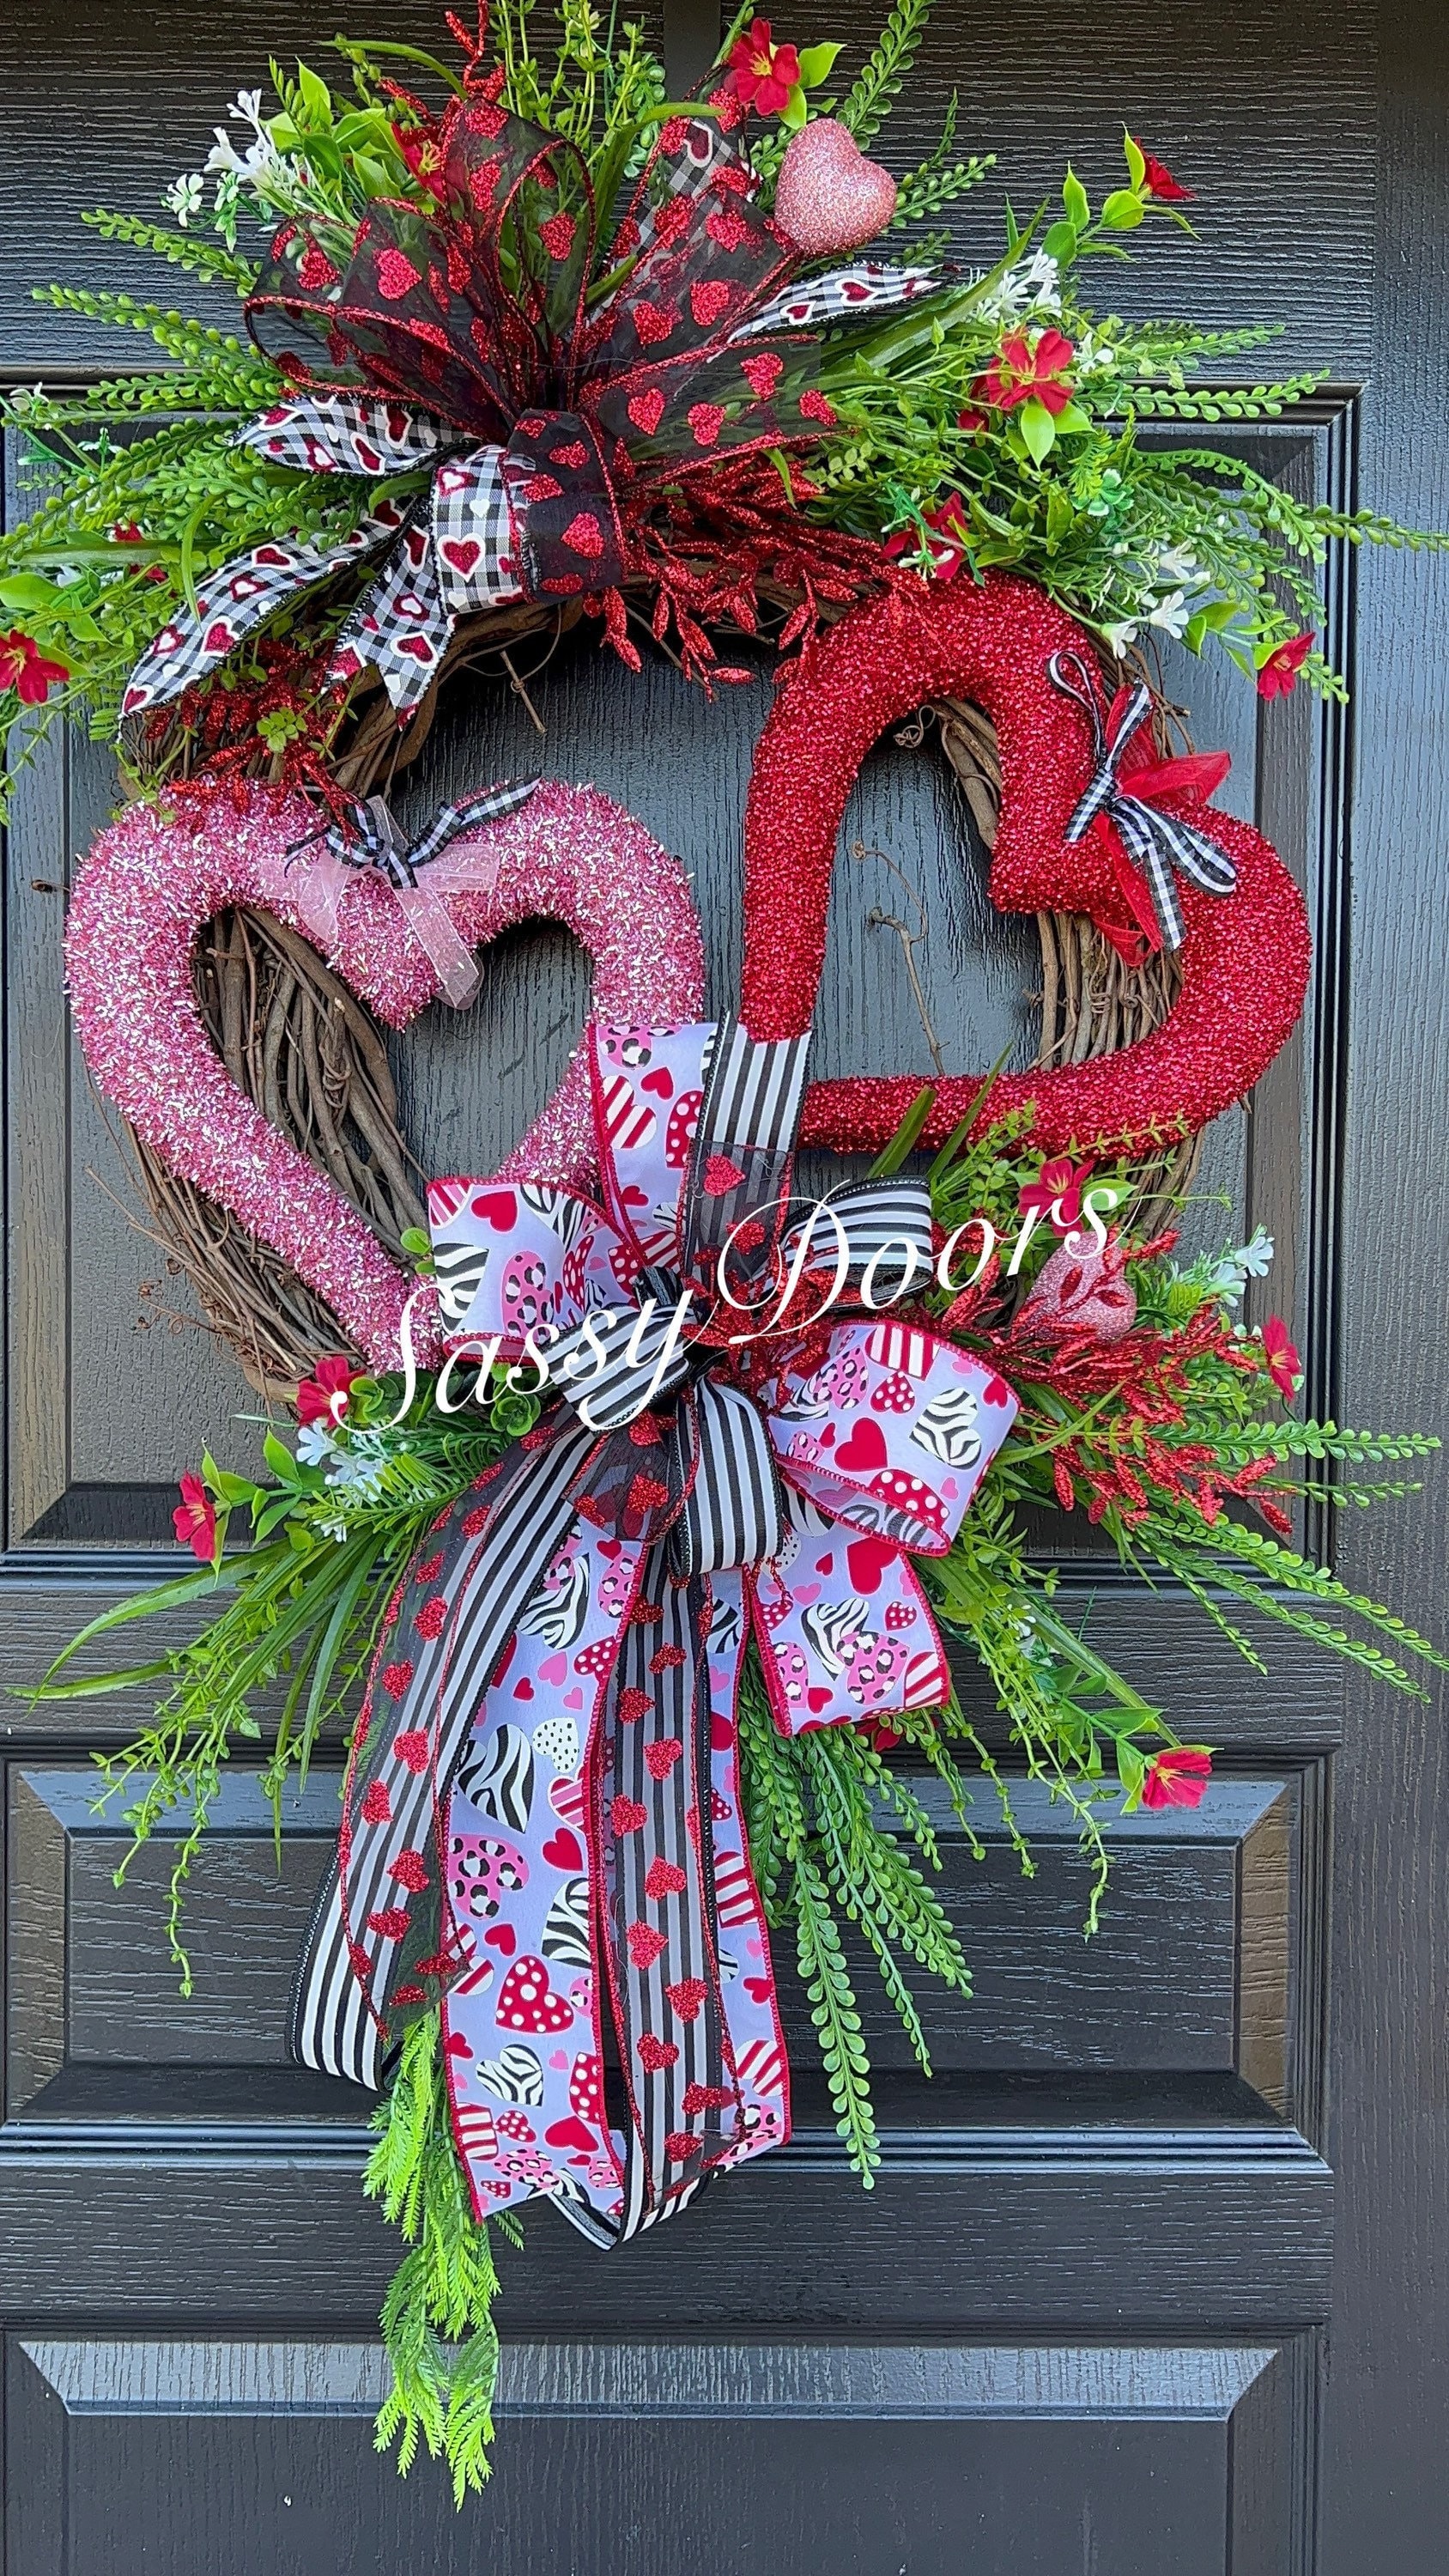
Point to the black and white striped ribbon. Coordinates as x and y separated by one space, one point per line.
1157 843
348 1967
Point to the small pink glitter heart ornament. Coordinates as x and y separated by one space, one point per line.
828 196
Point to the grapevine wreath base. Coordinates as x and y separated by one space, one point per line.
627 1508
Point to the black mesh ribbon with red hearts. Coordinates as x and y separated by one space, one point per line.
542 1834
540 404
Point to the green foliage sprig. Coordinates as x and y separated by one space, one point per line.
437 2318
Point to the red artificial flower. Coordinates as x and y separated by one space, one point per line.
762 73
421 147
1057 1192
194 1520
972 422
1284 1366
24 668
323 1396
946 543
1018 372
1178 1777
1280 671
1159 181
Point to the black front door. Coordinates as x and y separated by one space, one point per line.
1085 2319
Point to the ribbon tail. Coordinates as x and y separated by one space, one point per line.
598 1898
755 2041
453 961
238 599
454 1620
401 625
528 1838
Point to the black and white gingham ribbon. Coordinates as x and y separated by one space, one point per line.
376 841
1157 843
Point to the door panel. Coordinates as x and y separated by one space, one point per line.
1079 2323
1040 2458
1190 1973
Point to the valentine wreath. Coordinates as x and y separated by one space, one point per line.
632 1497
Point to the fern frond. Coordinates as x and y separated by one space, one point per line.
877 87
199 257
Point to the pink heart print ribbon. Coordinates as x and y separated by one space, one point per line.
542 1828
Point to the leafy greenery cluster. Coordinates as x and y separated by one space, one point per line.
330 1538
147 493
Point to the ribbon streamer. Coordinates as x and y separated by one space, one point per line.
542 1833
1157 843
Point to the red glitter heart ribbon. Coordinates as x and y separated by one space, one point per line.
466 342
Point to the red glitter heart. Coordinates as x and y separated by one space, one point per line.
652 321
660 1758
708 300
655 2053
762 373
584 535
644 1942
646 410
1244 963
663 1878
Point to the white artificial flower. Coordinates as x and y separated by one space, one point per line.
1093 357
246 107
1120 635
223 154
314 1443
1171 614
361 1477
184 196
1029 286
1177 564
1252 1260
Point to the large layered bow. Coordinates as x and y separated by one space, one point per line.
468 346
542 1827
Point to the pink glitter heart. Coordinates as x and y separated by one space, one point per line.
149 887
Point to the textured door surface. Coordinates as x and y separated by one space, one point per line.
1084 2321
